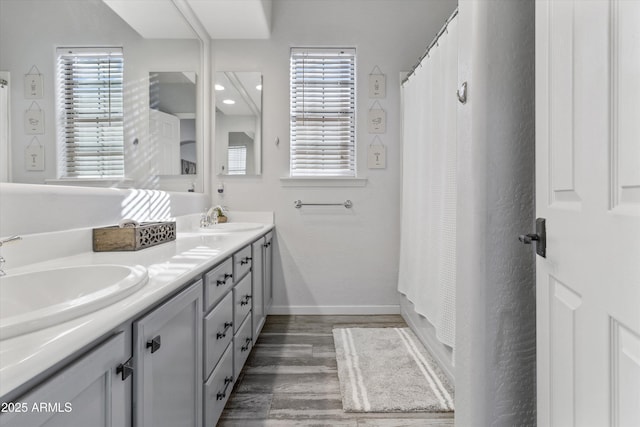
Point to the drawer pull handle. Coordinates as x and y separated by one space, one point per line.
266 245
245 300
246 260
247 345
224 280
220 335
222 394
154 344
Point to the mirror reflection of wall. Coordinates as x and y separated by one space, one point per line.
238 123
172 121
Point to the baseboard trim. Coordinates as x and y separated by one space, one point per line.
334 309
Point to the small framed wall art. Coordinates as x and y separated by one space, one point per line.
34 155
377 119
377 84
377 155
33 84
34 120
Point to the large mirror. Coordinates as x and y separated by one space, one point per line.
27 42
172 121
238 126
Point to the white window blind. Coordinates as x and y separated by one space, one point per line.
90 89
237 160
322 112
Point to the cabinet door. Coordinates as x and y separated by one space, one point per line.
268 272
88 392
168 363
258 290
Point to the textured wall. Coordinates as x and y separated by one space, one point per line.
495 346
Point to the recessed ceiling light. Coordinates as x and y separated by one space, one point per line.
229 101
259 87
218 87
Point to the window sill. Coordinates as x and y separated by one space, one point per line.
93 182
328 181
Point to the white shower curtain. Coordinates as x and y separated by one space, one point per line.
4 128
427 274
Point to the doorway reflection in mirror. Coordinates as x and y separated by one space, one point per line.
172 121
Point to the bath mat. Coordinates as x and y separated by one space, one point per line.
389 370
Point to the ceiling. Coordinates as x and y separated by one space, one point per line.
222 19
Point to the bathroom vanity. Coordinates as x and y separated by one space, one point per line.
167 355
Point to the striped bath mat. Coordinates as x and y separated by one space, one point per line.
389 370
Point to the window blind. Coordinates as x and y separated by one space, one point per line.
90 87
322 106
237 160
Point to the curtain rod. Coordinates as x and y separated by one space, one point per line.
431 45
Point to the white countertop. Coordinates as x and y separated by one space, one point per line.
170 266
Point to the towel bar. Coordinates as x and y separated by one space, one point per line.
347 204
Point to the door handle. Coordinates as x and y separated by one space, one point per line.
539 237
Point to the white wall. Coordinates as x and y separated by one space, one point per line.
30 30
495 313
330 259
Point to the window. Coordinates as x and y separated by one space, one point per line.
237 160
322 112
90 100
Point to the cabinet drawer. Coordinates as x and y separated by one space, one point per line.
218 332
241 262
241 301
218 388
217 282
242 344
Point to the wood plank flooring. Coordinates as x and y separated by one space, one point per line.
291 379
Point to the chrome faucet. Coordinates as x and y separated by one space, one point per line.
3 242
209 218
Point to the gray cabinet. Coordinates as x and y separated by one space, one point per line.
168 363
268 271
89 392
257 249
218 388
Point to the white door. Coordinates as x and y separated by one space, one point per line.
588 189
164 130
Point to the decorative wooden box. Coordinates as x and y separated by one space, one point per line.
115 238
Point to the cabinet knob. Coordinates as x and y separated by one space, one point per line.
125 369
154 344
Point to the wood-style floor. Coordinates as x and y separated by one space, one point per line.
291 379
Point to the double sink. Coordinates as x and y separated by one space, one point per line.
38 299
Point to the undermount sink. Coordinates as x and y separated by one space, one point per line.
230 227
38 299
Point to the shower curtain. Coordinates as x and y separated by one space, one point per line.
4 127
427 273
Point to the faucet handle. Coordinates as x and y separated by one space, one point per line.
10 239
